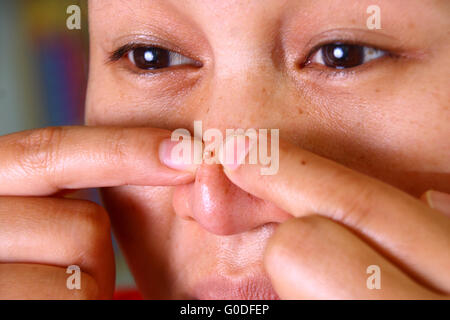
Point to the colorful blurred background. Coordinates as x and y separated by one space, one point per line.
43 73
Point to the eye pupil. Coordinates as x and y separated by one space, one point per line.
342 56
149 58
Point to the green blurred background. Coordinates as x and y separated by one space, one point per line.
43 74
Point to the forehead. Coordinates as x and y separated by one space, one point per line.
121 7
220 14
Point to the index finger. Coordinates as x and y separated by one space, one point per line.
403 228
45 161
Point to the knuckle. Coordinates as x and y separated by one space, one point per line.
40 149
294 239
91 229
304 228
356 208
93 219
92 236
118 147
294 235
89 289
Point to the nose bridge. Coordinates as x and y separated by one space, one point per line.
236 97
242 77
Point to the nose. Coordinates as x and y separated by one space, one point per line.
242 88
221 207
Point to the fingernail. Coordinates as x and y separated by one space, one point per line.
233 153
178 155
439 201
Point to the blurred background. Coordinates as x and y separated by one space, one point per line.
43 75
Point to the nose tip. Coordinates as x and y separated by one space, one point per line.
213 207
222 208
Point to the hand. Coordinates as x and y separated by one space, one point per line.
345 222
41 233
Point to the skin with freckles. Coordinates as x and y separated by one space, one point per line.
363 137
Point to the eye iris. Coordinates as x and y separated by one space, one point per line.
149 58
342 56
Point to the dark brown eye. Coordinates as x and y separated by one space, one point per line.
149 58
152 58
344 56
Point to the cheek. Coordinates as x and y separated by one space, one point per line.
394 130
141 217
144 225
137 212
409 126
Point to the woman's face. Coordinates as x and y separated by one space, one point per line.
263 64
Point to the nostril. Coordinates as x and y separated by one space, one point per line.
188 218
182 202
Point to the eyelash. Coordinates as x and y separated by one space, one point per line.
319 56
149 52
364 54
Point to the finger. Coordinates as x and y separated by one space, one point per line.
437 200
45 161
41 282
398 225
316 258
58 232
